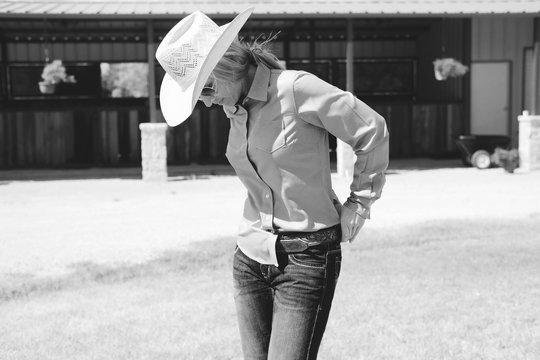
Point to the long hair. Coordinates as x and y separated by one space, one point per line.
234 65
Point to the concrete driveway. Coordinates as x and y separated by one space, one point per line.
49 225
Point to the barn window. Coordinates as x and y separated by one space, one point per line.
24 78
124 80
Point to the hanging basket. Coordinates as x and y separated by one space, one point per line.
53 74
438 75
447 68
47 88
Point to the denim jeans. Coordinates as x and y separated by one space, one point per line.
283 310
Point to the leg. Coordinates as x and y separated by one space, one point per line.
303 297
254 301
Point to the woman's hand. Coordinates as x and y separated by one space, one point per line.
351 223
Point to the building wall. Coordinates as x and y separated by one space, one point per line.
90 51
504 39
445 38
66 130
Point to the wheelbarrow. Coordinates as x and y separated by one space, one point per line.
477 150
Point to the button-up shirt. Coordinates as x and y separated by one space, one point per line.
278 146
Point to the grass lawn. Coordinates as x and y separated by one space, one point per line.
439 290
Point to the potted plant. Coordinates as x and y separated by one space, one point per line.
448 67
53 74
507 159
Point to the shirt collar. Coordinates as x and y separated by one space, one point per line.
259 87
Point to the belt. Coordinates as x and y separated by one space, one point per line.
293 241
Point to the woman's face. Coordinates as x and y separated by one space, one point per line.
221 93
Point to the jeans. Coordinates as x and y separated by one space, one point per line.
283 310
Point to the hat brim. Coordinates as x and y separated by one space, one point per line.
177 104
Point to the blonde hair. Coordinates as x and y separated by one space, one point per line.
234 65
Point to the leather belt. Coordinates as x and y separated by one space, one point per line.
293 241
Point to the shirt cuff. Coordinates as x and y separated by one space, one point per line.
358 208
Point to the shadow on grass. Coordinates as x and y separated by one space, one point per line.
216 255
397 165
206 255
434 231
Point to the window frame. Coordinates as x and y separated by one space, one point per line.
37 96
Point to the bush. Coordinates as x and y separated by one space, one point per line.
507 159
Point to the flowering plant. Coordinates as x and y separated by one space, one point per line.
507 159
448 67
55 72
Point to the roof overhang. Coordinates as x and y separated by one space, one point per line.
264 8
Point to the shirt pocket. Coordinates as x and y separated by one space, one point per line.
268 136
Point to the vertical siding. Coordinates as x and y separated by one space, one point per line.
504 39
433 128
299 49
330 49
528 82
36 138
397 118
445 39
64 138
366 49
92 51
388 48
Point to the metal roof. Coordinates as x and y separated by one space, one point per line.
263 8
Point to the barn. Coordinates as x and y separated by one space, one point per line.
382 51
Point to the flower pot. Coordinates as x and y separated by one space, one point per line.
47 88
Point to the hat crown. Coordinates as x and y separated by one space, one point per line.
189 53
185 48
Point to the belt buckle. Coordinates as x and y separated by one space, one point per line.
291 246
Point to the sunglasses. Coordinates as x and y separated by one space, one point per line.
209 89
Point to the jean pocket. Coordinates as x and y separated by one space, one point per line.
311 258
335 257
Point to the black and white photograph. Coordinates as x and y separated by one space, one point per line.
269 180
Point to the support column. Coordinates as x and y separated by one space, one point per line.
154 151
153 134
535 110
150 49
3 61
344 153
529 142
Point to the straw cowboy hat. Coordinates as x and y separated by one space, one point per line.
188 53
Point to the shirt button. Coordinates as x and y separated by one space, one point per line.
267 196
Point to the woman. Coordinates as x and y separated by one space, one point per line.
288 253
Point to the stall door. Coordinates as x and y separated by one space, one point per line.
490 89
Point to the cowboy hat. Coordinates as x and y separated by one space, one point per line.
189 53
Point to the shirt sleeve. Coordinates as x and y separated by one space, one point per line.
355 123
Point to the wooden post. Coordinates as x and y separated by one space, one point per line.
151 71
535 106
3 61
350 56
312 40
344 153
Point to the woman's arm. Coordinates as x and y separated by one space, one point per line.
355 123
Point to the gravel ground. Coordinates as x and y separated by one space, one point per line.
48 226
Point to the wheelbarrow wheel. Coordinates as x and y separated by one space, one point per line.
481 159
